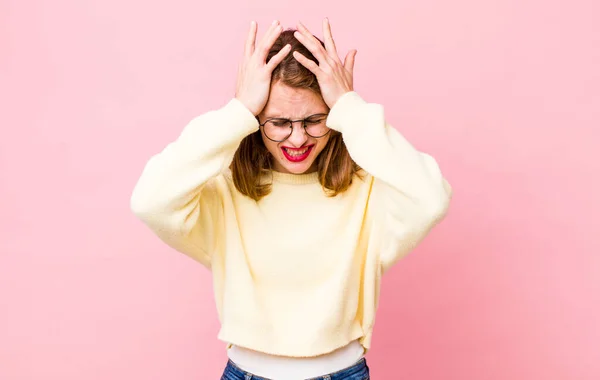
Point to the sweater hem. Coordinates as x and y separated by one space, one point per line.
249 341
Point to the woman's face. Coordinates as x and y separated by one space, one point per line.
297 154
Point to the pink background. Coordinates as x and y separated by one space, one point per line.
505 95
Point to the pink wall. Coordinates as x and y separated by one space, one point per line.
505 94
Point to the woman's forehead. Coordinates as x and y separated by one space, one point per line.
289 102
293 110
299 116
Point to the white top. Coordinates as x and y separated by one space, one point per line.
295 368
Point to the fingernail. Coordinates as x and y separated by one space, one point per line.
275 22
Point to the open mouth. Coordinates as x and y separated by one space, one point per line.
297 154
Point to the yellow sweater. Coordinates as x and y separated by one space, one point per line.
296 273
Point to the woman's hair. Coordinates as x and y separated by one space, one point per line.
252 159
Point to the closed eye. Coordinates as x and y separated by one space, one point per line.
280 122
316 120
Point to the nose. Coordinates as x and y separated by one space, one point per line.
298 136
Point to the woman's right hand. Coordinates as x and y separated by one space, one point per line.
254 75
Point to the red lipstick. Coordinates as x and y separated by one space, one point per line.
297 158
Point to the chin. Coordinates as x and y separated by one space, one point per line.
296 168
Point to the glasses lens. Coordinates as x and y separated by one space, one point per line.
277 129
315 126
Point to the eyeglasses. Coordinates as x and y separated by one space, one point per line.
279 129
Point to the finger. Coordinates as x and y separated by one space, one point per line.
311 43
308 63
268 39
277 58
349 60
249 47
329 43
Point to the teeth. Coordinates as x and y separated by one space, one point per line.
295 153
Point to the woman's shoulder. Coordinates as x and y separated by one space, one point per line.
220 183
362 175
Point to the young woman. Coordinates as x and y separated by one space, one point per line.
298 196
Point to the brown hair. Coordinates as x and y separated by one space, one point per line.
252 159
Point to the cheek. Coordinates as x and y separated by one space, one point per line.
321 144
272 146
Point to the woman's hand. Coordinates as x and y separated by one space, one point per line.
254 75
335 78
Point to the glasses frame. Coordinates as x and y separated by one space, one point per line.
292 126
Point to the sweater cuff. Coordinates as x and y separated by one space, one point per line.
344 110
244 118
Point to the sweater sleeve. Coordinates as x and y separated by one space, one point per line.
176 196
409 194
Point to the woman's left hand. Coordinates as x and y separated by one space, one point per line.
335 78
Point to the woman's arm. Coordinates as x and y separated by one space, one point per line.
409 195
176 195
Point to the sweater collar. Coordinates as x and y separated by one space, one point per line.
295 179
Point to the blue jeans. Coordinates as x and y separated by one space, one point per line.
358 371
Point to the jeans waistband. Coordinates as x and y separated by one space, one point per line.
357 371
